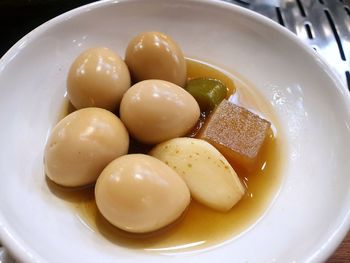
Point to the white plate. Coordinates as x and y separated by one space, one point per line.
309 217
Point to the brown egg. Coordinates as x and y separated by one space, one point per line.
157 110
82 144
138 193
97 78
154 55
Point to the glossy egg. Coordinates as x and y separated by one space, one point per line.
138 193
155 110
82 144
154 55
97 78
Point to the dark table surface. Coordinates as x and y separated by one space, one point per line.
19 17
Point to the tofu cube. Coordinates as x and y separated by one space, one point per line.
237 133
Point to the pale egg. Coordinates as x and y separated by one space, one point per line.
157 110
154 55
138 193
82 144
97 78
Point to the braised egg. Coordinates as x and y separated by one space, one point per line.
82 144
138 193
154 55
97 78
156 110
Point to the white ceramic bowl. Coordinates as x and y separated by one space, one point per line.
308 218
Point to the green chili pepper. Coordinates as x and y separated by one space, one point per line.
207 92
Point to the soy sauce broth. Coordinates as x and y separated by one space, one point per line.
199 226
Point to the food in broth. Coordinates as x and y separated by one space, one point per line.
144 192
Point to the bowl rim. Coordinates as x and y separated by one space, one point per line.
22 252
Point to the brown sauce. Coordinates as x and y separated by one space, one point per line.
199 227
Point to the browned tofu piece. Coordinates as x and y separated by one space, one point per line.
237 133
